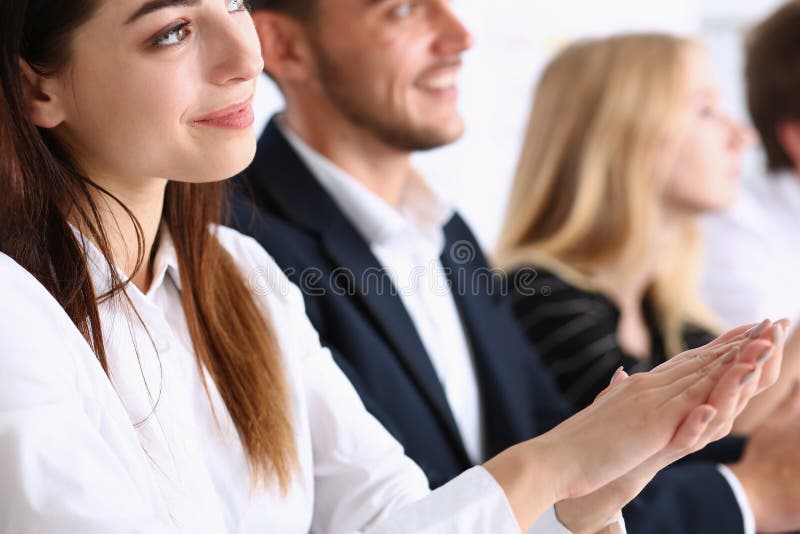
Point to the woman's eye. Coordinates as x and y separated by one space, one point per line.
173 36
237 5
403 10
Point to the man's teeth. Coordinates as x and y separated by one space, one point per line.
440 82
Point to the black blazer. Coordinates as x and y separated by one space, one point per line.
280 203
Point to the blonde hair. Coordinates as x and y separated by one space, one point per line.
587 190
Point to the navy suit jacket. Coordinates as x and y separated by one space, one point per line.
350 301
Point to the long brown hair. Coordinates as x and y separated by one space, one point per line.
587 191
40 185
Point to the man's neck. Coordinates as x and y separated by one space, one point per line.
382 169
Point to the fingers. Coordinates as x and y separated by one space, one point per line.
732 335
773 361
785 323
756 331
766 331
733 391
697 387
689 360
691 364
619 376
692 434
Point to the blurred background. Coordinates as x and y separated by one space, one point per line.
513 40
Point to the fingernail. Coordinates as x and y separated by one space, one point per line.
756 330
730 356
709 416
746 379
615 375
777 335
765 355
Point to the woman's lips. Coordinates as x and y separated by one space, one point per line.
236 117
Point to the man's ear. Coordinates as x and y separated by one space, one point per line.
42 97
789 137
287 55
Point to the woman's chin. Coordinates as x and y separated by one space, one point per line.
226 165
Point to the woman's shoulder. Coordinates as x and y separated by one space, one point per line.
244 249
543 300
38 341
25 298
261 272
535 283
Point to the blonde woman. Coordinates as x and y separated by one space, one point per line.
627 145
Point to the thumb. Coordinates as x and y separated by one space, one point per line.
619 376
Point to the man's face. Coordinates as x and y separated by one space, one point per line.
390 66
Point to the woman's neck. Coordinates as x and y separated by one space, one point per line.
144 198
626 284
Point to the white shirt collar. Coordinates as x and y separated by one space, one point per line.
421 209
165 262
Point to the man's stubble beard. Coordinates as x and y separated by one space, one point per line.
393 132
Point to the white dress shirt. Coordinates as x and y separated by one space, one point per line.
408 242
144 452
753 261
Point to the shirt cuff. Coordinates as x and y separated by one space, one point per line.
550 524
741 497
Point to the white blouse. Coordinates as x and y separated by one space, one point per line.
144 453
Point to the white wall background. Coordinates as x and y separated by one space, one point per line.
514 38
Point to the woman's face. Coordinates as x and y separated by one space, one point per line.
705 164
161 89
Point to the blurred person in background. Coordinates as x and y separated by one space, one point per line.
753 257
626 147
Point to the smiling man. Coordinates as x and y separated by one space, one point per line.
336 201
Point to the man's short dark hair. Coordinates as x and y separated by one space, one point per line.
772 72
299 9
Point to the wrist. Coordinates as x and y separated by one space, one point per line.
559 464
528 477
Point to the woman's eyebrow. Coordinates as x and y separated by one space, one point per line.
155 5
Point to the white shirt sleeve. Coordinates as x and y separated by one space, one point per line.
741 498
363 481
59 473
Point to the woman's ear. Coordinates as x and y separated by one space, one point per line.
41 97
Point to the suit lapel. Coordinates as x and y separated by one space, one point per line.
501 372
281 180
373 288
